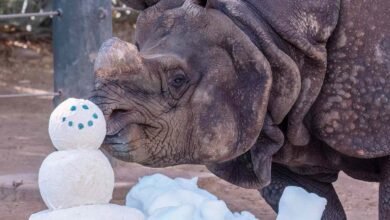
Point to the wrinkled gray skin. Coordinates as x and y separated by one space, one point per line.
266 93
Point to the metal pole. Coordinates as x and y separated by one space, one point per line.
27 15
77 36
29 95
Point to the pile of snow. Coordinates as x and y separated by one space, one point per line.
90 212
297 204
162 198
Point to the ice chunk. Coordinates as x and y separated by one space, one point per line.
77 124
75 177
215 209
90 212
161 197
297 204
174 212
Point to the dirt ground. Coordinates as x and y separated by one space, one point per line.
24 143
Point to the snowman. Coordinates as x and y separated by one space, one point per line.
77 181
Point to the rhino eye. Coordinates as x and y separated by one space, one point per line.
178 80
178 83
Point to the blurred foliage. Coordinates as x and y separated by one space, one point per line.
123 22
39 28
31 28
22 6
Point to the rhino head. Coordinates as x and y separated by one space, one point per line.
193 89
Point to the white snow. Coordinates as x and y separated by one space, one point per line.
90 212
297 204
163 198
75 177
77 124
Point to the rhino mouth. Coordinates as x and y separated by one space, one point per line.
127 133
124 142
116 142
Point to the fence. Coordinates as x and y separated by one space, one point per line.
79 28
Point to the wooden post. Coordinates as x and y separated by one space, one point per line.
78 33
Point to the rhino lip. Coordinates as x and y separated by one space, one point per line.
117 146
119 150
114 139
111 140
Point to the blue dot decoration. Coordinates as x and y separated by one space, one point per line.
81 126
90 123
95 116
63 119
70 123
73 108
85 107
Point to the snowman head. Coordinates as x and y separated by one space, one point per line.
77 124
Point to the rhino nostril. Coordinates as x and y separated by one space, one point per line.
117 112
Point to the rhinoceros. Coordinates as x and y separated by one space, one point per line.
265 93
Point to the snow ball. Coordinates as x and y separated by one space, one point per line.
75 177
77 124
297 204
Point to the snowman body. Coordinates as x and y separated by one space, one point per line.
76 177
77 181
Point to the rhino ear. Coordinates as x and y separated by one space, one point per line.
229 125
162 4
200 2
286 79
140 4
251 89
